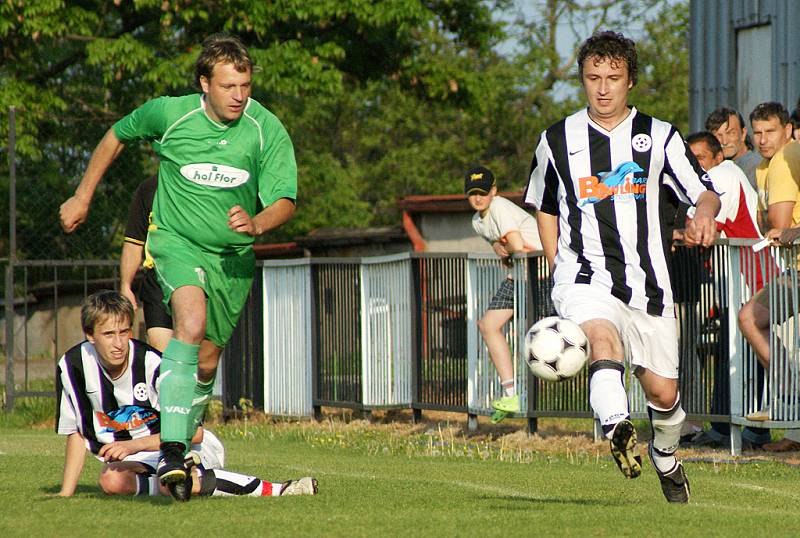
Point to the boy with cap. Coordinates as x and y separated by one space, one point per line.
509 229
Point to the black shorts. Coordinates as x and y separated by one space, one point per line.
152 298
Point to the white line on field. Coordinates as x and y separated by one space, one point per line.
459 483
773 491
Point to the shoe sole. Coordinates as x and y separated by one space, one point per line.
505 409
623 449
174 476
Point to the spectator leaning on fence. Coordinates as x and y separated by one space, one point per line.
157 318
737 218
107 403
223 157
596 181
509 229
779 178
729 128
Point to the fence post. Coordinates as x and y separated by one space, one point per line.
12 254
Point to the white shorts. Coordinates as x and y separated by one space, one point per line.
650 342
211 451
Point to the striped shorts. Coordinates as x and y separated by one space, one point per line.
504 296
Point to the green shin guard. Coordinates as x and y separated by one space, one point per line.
178 375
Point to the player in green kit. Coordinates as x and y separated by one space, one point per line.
223 157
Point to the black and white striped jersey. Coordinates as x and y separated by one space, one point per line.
605 187
105 410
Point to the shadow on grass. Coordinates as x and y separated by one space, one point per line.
94 492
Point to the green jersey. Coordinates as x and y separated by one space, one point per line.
208 167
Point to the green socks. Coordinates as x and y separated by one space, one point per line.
202 395
178 375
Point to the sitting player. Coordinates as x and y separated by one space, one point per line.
107 392
509 229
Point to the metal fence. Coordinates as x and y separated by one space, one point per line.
401 331
752 390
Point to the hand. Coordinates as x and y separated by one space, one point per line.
700 231
789 236
127 292
73 213
239 221
117 451
500 249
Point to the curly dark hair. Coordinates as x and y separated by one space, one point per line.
612 46
222 48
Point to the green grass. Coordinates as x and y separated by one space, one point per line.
374 482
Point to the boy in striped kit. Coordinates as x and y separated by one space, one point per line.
107 391
596 181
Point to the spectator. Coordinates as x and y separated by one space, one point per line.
778 177
728 126
737 218
795 119
509 229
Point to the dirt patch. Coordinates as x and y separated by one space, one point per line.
555 436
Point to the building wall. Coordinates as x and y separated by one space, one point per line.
716 28
450 232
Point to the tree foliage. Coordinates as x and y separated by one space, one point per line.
382 99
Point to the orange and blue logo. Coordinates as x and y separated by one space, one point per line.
126 418
620 183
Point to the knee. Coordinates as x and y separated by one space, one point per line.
745 317
117 482
487 326
191 329
664 397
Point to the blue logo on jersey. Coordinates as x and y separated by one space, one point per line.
620 181
126 418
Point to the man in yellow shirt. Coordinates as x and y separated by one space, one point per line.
778 174
778 178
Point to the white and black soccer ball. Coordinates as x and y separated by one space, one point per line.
556 349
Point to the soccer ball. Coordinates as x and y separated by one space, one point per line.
556 349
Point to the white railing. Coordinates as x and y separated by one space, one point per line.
287 338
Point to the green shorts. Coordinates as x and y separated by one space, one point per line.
226 279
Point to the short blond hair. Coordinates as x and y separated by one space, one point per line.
104 304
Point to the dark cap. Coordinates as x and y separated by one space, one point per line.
479 180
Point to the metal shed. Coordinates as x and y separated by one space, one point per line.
743 52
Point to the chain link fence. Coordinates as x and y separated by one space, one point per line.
49 166
44 268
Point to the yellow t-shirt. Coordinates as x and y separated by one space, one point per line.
778 179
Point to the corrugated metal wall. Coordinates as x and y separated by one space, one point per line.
714 25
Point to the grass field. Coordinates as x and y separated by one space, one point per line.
427 480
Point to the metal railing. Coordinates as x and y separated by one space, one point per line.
751 390
401 331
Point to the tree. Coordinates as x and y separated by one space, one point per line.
382 99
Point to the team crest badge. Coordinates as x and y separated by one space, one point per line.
140 392
641 142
